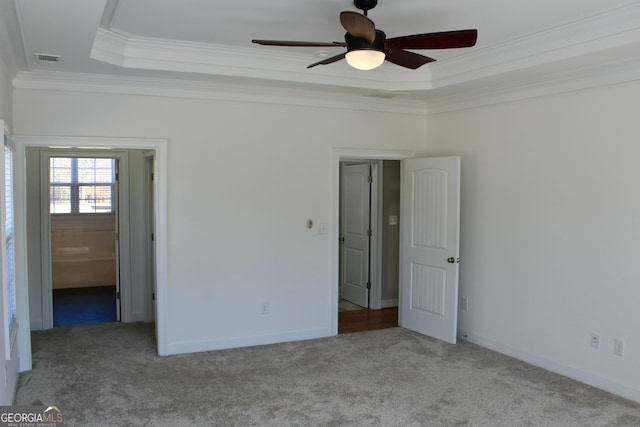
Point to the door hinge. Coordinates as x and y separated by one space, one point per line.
153 296
369 233
370 179
368 285
118 295
117 237
117 176
152 175
153 236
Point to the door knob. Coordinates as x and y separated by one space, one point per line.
341 239
451 260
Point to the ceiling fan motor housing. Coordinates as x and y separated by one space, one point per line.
355 43
365 4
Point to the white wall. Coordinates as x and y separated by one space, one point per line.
550 229
243 178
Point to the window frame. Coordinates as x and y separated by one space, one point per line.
75 186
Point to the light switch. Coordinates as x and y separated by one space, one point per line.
393 220
322 228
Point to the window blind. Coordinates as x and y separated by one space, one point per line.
9 231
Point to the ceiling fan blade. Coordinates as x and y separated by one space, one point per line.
329 60
406 59
358 26
297 44
443 40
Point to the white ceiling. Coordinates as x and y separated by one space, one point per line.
519 42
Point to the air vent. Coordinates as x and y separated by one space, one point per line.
386 94
382 95
45 57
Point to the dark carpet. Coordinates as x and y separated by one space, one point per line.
84 306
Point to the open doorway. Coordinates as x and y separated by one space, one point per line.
83 213
137 304
89 226
368 245
429 250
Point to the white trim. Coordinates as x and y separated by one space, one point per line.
375 247
181 347
372 99
124 281
553 366
592 34
160 197
129 51
340 155
542 84
45 245
375 254
391 302
22 279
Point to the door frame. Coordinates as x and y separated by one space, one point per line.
159 147
150 216
123 273
375 211
361 156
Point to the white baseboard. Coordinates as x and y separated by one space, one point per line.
386 303
35 325
553 366
209 345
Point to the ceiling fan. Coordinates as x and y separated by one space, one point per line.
368 48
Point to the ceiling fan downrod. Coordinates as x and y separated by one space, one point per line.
365 5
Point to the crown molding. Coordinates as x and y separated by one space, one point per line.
607 73
129 51
592 51
586 36
378 101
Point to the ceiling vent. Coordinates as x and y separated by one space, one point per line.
45 57
386 94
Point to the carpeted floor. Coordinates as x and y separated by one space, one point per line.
110 375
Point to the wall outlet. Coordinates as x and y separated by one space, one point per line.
595 340
264 308
618 347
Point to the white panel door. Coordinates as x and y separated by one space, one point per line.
430 209
355 207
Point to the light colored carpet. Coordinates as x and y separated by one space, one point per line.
110 375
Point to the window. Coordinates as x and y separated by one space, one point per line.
82 185
10 276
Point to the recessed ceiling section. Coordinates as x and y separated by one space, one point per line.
210 42
198 36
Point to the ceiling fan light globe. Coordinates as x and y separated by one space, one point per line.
365 59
